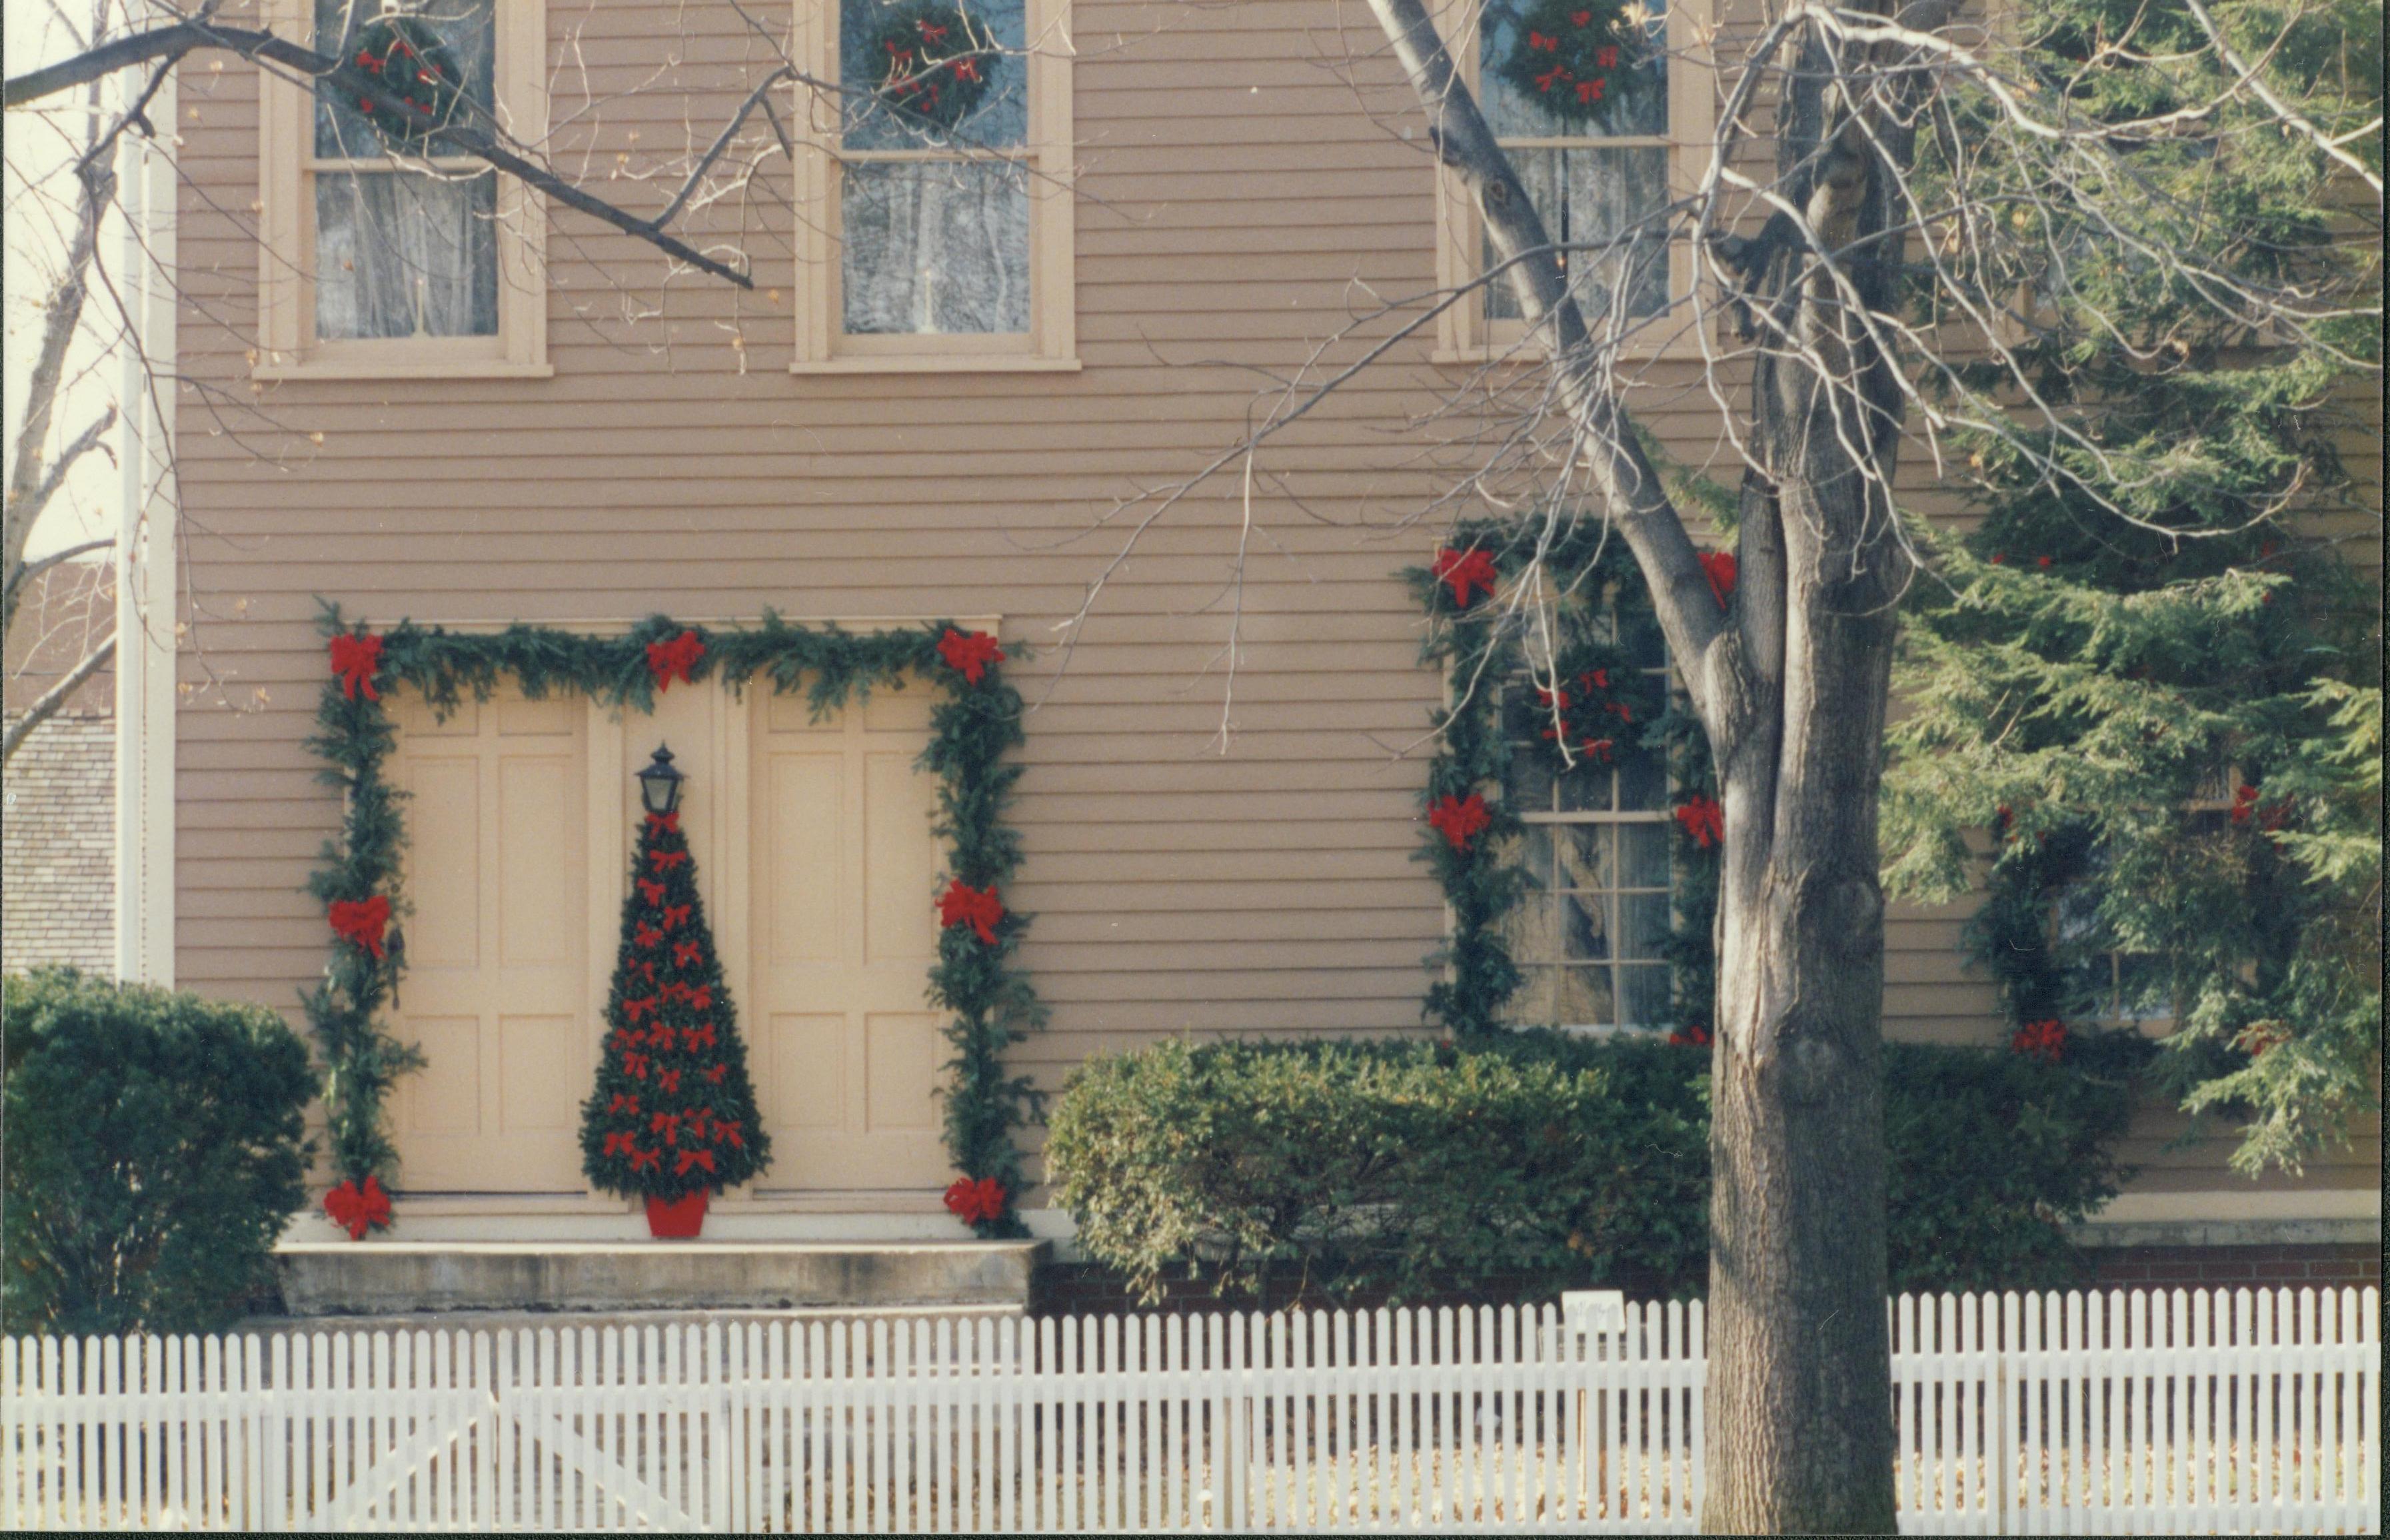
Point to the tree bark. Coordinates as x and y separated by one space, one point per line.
1792 687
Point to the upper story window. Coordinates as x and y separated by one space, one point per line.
941 177
1601 171
1588 932
382 263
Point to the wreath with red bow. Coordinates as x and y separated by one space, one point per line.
1597 704
1565 51
407 59
933 63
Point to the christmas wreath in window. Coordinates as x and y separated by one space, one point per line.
1595 705
933 63
420 88
1564 54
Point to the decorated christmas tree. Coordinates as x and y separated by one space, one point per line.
674 1112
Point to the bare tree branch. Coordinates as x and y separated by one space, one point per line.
55 697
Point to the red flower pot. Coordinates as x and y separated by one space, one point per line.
678 1219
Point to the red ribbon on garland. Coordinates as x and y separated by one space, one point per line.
969 653
1694 1036
663 823
666 860
694 1157
356 660
619 1144
1720 566
978 907
674 660
697 1036
1459 820
1464 572
647 935
360 922
976 1202
1705 821
2045 1039
675 916
651 890
685 953
358 1209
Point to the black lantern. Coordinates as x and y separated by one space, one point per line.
660 783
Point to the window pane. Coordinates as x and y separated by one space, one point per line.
1585 927
1644 852
1531 929
468 27
1643 924
935 246
2144 991
1643 996
1642 778
1527 785
1587 788
1590 196
1581 998
402 254
1635 99
1536 1003
1000 120
1584 855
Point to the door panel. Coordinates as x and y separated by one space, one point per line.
496 985
843 914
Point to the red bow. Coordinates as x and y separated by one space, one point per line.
694 1157
356 660
1546 45
1598 748
1719 565
661 1037
666 860
685 953
1459 820
699 997
360 922
966 69
358 1209
932 32
668 1079
1552 77
673 660
675 918
697 1036
1464 572
634 1010
2047 1039
1581 18
977 908
1694 1036
663 823
728 1128
651 890
645 967
636 1065
976 1202
1705 821
645 1159
1606 58
969 653
1589 91
666 1123
2244 802
620 1143
625 1104
648 935
713 1077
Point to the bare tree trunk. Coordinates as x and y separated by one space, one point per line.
1792 687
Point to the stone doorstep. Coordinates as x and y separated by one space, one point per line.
409 1278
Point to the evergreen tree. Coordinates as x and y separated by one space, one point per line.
2168 719
674 1110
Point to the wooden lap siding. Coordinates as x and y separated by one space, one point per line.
1236 200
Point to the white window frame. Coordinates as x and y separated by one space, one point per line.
1464 335
823 345
288 347
1664 674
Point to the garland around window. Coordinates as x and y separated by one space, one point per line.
972 728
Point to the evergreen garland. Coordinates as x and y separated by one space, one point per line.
1479 645
976 723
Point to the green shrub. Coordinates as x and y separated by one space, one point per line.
153 1154
1542 1159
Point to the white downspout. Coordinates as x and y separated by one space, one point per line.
145 550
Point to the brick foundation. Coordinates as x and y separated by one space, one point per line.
2234 1266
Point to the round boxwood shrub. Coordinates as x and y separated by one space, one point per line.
1543 1161
153 1153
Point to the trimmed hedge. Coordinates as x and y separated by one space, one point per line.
1542 1158
153 1152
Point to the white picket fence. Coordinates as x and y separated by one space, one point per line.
2040 1413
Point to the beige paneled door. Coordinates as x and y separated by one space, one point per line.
497 982
842 928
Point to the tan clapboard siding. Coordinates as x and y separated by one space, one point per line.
1238 201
